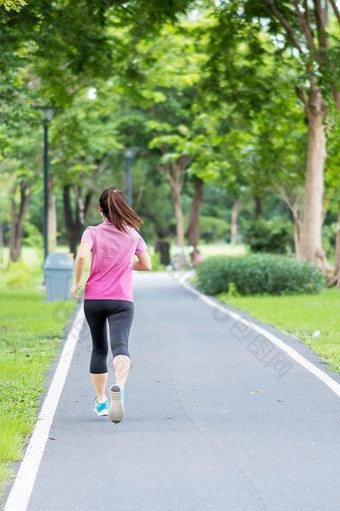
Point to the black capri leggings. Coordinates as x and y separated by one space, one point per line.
119 314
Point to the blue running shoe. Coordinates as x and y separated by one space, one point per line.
116 412
101 409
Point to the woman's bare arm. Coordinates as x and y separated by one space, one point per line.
143 263
80 263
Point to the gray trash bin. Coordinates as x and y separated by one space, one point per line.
58 269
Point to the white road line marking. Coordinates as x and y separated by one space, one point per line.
19 496
327 380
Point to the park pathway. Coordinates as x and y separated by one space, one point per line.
216 419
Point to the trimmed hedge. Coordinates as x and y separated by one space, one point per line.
258 274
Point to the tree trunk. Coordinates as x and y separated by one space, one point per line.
258 207
87 201
71 225
234 212
194 216
52 218
291 198
17 220
175 178
311 243
296 231
177 203
163 248
80 206
337 254
74 222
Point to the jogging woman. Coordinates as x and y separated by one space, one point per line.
108 293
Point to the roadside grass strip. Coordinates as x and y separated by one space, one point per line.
21 491
239 303
314 319
31 332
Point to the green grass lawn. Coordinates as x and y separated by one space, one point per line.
222 249
302 316
206 251
30 336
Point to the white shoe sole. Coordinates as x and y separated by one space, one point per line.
103 413
116 412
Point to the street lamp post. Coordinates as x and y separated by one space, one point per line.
129 153
48 114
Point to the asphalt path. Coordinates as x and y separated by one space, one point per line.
216 419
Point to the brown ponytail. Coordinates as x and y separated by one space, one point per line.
117 211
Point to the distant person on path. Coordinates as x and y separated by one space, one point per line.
108 293
198 258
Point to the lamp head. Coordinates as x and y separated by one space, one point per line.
48 112
130 152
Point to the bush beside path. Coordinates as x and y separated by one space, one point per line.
281 291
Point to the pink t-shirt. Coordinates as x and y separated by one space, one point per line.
111 263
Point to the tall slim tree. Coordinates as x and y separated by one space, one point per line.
304 28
